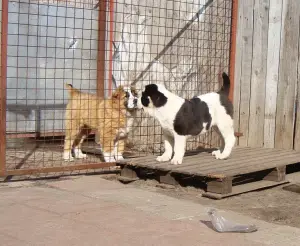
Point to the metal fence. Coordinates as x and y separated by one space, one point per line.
96 47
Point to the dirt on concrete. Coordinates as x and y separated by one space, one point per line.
273 205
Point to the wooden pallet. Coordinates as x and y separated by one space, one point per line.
246 170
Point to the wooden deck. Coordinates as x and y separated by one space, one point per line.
223 177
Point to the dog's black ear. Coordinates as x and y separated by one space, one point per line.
145 100
118 93
159 99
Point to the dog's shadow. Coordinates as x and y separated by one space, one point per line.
199 150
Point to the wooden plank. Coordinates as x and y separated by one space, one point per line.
258 73
262 162
136 161
204 158
287 160
235 162
244 168
145 159
254 159
214 164
208 164
287 75
274 41
238 69
297 116
245 165
239 189
246 66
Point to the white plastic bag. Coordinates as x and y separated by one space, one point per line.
221 224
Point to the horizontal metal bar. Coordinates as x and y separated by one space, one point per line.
238 134
58 169
37 134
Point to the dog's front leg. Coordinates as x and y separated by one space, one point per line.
169 144
179 149
119 149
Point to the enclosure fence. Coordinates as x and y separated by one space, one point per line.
98 47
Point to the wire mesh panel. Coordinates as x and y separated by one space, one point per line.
50 43
182 44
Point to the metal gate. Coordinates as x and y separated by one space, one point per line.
97 46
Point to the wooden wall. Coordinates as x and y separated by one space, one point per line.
267 74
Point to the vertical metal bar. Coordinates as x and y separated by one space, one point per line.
234 17
3 87
111 39
101 48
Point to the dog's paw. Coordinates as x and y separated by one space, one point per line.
216 152
68 157
119 157
221 156
176 161
81 156
78 154
163 158
109 158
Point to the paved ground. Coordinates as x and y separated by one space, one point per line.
89 210
274 205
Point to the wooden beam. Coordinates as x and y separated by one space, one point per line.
220 186
277 174
128 173
167 179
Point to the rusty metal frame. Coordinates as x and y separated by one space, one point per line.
4 27
101 47
14 135
34 171
100 91
234 18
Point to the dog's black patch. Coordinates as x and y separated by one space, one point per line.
158 99
191 116
224 93
226 103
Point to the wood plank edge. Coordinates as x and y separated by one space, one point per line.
245 188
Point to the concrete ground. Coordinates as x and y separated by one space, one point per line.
89 210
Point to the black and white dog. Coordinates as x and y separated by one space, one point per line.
181 118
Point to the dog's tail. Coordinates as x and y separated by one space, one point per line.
226 84
72 91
